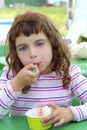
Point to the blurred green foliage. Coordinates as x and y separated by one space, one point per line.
82 39
26 2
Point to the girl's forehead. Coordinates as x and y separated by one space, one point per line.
32 37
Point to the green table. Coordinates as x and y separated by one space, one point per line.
16 123
82 64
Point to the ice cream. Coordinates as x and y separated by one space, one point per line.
39 112
34 117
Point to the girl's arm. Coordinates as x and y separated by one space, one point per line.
11 88
79 88
62 115
7 95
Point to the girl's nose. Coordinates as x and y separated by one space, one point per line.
33 53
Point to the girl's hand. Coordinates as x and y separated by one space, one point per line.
26 76
60 115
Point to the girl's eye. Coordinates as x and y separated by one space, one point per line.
40 44
22 48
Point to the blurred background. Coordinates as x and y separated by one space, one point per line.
69 16
54 9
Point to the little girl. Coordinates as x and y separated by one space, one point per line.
38 72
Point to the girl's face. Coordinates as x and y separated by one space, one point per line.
35 49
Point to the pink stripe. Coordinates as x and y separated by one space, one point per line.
10 95
49 79
3 103
73 68
9 92
19 109
40 90
82 96
4 82
78 112
20 100
76 76
79 86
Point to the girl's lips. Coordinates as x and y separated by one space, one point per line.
38 64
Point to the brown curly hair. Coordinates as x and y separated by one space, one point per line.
32 23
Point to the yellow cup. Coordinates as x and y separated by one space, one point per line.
35 124
34 121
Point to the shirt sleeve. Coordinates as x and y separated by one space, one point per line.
7 94
79 88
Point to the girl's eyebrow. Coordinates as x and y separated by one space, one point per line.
21 45
38 40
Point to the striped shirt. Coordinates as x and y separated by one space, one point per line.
48 88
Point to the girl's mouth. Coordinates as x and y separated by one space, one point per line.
38 64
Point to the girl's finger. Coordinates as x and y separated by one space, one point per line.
29 67
52 105
61 122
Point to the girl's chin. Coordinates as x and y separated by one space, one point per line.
42 72
45 72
